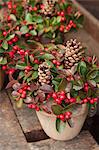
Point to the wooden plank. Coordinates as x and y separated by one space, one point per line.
91 24
11 136
83 141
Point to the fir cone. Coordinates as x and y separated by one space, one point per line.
48 7
73 53
44 74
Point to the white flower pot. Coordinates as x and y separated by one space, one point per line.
48 123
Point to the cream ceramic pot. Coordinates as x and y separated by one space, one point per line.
48 122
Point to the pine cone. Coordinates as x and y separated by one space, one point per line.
44 74
48 7
73 53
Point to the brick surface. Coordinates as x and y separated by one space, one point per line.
11 136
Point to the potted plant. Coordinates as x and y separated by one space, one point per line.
61 83
38 20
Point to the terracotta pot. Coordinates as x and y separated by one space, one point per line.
48 122
1 79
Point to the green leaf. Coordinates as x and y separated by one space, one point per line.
21 66
57 109
10 37
19 103
58 19
3 61
13 17
35 75
37 19
33 32
47 56
60 125
80 19
82 68
2 50
5 45
35 67
28 17
24 30
62 85
92 82
93 74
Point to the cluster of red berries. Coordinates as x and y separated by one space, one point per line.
62 15
32 8
33 106
12 7
86 87
23 91
56 62
89 100
59 97
27 69
14 40
65 116
70 25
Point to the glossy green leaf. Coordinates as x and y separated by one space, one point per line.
35 75
33 32
24 30
28 17
57 109
10 37
47 56
62 85
21 66
3 61
60 125
5 45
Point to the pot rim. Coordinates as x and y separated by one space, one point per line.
82 112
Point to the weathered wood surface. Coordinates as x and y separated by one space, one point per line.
82 142
11 135
91 24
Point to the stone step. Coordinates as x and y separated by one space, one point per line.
83 141
11 135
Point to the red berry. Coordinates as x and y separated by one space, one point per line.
72 100
20 91
54 61
58 63
42 6
54 95
10 42
63 19
86 88
27 35
58 13
62 97
30 27
23 95
62 13
68 113
92 101
37 108
62 92
4 33
36 61
67 117
9 18
58 101
35 8
62 28
9 5
24 92
62 117
15 47
85 100
4 67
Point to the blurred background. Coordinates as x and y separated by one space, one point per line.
91 5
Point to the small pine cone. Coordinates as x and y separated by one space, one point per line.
73 53
48 7
44 74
